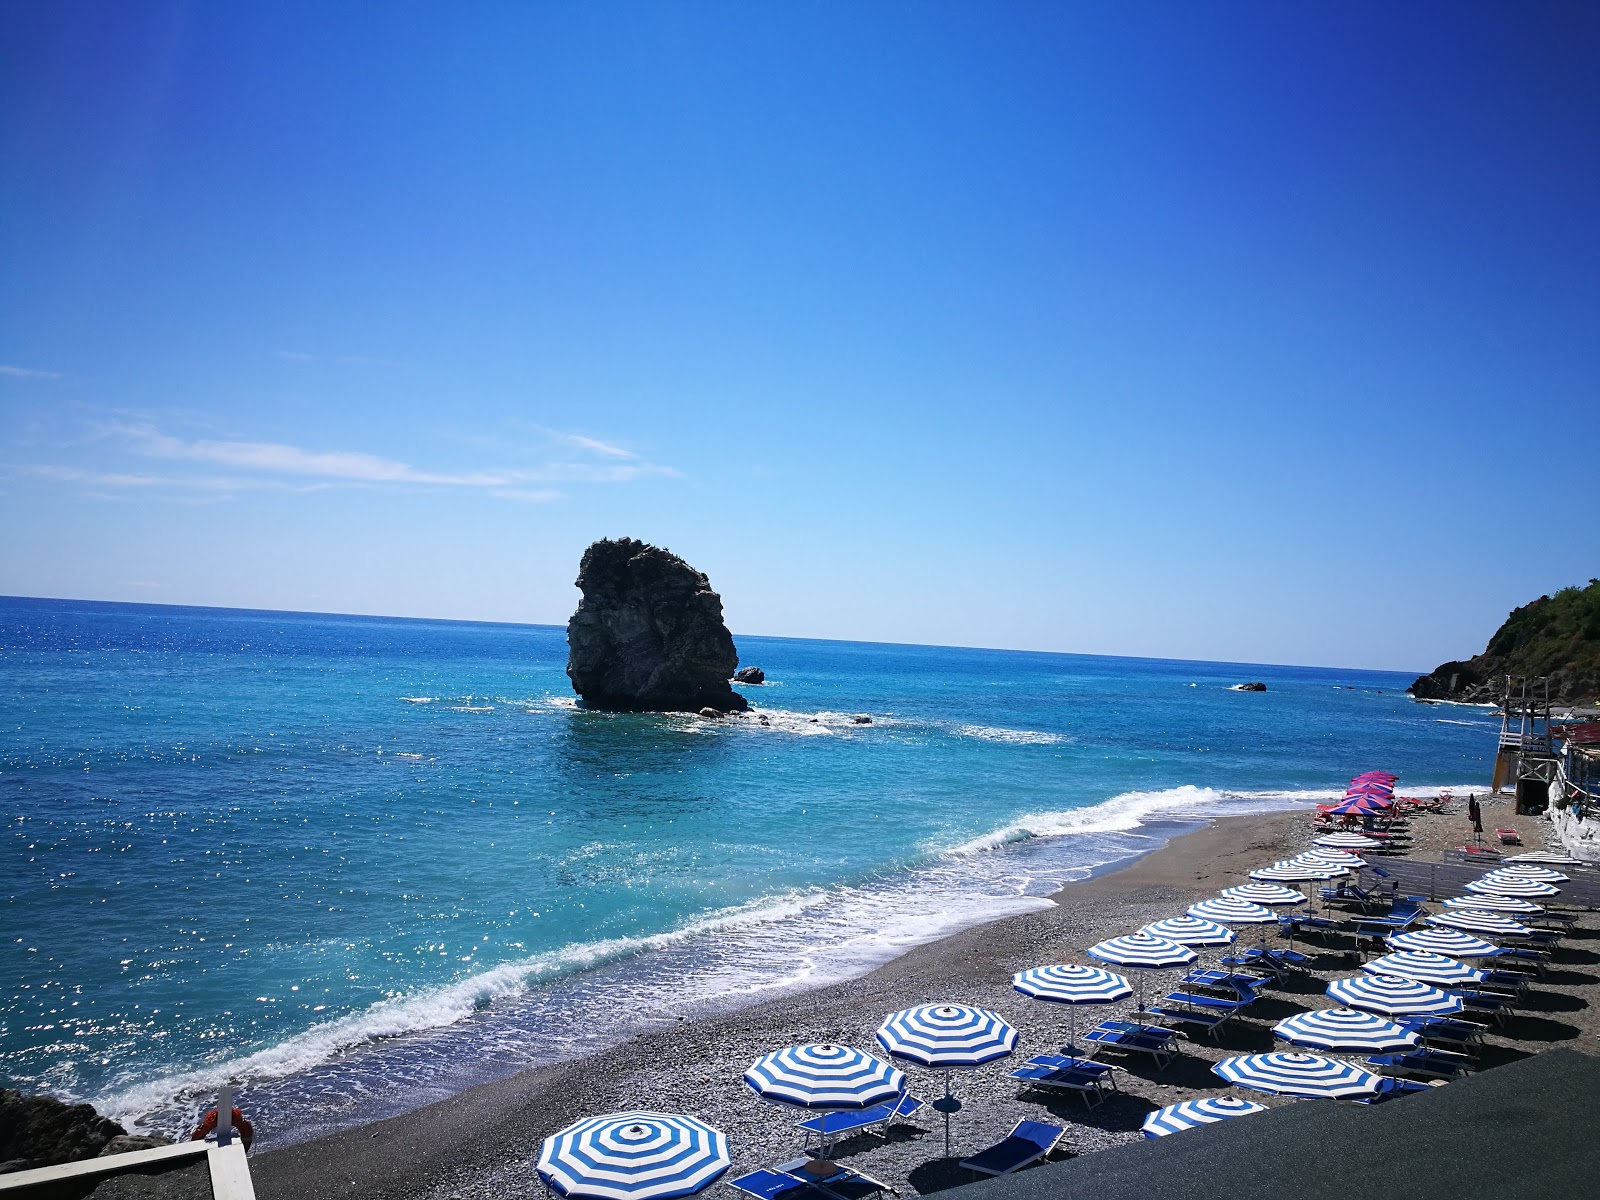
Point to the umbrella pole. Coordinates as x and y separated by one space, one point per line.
947 1115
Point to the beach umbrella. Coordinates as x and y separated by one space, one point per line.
946 1038
1228 910
1529 871
1476 921
1191 931
1187 1114
1378 791
1142 952
1345 1030
1264 894
1426 967
1393 995
824 1077
1347 841
1072 986
1548 858
1493 885
632 1156
1451 942
1307 1075
1297 872
1334 858
1358 806
1504 904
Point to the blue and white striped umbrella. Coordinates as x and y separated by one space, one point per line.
633 1156
1334 858
1191 931
1528 871
1492 885
1348 841
1437 969
1345 1030
1504 904
1142 950
1309 1075
1547 857
1072 985
1264 894
1451 942
824 1076
1230 911
1476 921
1393 995
1297 872
946 1037
1187 1114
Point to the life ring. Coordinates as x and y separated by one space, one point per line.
208 1125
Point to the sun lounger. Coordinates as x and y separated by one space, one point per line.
1522 958
1508 837
1353 895
1027 1143
1094 1081
1462 1034
837 1125
1439 1064
842 1183
1180 1014
1393 1089
1294 924
1238 983
1155 1040
1276 961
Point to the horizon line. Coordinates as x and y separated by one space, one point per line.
303 612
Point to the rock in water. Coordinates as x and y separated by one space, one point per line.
1251 687
41 1131
648 634
749 675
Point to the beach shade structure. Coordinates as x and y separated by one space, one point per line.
1347 841
1334 858
1345 1031
1494 884
1360 806
1297 872
1499 904
1393 995
1228 910
1476 921
1451 942
1426 967
633 1156
946 1038
1191 931
1267 895
1142 952
1529 871
1072 986
1187 1114
1307 1075
1548 857
825 1078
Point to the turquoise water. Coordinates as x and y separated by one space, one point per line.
357 863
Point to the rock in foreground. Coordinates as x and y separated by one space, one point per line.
41 1131
648 634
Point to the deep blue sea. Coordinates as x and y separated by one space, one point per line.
358 863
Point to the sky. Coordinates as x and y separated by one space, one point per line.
1242 331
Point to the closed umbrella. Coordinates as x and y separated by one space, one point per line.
1393 995
946 1038
1187 1114
1072 986
1306 1075
1346 1031
632 1156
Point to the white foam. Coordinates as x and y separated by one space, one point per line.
419 699
1017 737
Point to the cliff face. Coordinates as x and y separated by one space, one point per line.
1555 636
648 634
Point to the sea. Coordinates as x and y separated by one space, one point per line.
351 865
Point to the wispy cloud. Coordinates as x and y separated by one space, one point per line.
13 372
593 445
135 480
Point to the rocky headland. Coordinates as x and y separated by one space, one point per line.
1555 637
648 635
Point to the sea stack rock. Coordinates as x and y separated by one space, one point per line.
749 675
1251 687
648 634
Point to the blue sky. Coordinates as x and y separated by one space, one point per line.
1246 331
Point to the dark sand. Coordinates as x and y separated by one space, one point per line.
484 1142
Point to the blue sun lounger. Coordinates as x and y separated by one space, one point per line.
788 1181
1393 1089
1094 1081
877 1119
1443 1029
1243 985
1442 1064
1027 1143
1292 924
1208 1013
1155 1040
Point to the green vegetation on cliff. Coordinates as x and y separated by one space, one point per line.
1556 637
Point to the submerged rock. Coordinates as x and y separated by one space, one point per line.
1250 687
749 675
41 1131
648 635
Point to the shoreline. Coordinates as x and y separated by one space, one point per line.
483 1141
